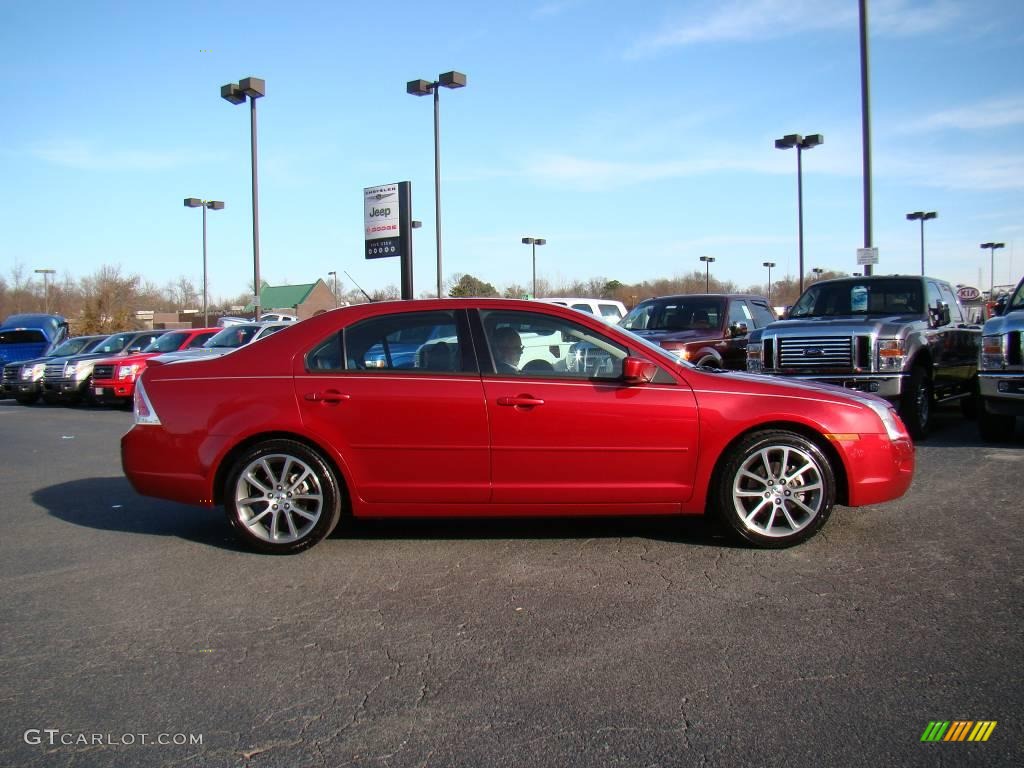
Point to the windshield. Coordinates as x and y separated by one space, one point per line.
169 342
1017 300
76 345
682 313
114 344
22 337
860 297
231 337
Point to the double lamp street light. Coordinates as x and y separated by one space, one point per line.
707 272
992 247
213 205
533 242
422 88
236 93
922 216
789 141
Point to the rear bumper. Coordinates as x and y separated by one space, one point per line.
151 461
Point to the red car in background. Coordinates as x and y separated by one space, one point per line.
113 380
326 417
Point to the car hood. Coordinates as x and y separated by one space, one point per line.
1011 321
696 334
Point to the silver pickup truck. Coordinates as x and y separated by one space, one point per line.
903 337
1001 370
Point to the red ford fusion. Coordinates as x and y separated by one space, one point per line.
491 407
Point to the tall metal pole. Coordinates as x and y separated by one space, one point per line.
255 209
800 210
922 246
437 182
533 249
865 112
206 316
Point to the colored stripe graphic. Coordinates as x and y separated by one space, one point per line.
958 730
935 731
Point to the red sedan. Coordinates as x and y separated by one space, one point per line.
462 407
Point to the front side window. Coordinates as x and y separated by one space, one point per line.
528 344
763 314
407 342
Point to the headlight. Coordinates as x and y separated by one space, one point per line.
993 356
127 371
754 357
893 426
891 354
69 370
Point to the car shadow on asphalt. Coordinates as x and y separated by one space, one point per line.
110 504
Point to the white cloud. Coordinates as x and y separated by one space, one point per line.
994 113
86 156
745 20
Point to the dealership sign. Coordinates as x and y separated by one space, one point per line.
968 293
381 221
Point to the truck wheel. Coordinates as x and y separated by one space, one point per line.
27 399
709 361
995 427
281 497
916 403
776 489
971 404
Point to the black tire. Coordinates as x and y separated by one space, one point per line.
27 399
709 361
995 427
50 399
772 472
298 502
916 403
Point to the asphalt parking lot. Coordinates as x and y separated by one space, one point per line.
525 643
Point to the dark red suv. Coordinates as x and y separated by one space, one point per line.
708 329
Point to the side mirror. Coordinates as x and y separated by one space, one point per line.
738 329
637 371
939 316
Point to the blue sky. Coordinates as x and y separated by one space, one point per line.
635 138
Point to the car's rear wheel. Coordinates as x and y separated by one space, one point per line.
916 403
281 497
776 489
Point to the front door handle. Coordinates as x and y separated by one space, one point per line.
524 401
330 396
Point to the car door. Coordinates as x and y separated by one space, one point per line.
580 435
407 428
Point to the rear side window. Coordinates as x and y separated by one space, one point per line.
22 337
583 308
426 342
610 311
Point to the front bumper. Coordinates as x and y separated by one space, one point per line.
1003 393
887 385
110 391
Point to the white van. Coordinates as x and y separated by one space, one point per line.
606 309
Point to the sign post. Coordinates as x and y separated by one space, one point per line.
387 221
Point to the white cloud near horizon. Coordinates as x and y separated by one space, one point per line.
752 20
83 155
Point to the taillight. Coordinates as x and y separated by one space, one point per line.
144 412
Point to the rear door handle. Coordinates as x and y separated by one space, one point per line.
521 401
330 396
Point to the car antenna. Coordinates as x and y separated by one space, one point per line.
357 285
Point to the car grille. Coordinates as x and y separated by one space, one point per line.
11 372
103 372
54 371
815 352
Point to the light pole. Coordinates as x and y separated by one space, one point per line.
922 216
213 205
46 287
992 267
533 242
254 88
422 88
707 272
769 264
801 143
335 276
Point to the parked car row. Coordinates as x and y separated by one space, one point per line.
104 369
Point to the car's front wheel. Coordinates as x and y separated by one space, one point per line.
776 489
916 403
282 497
